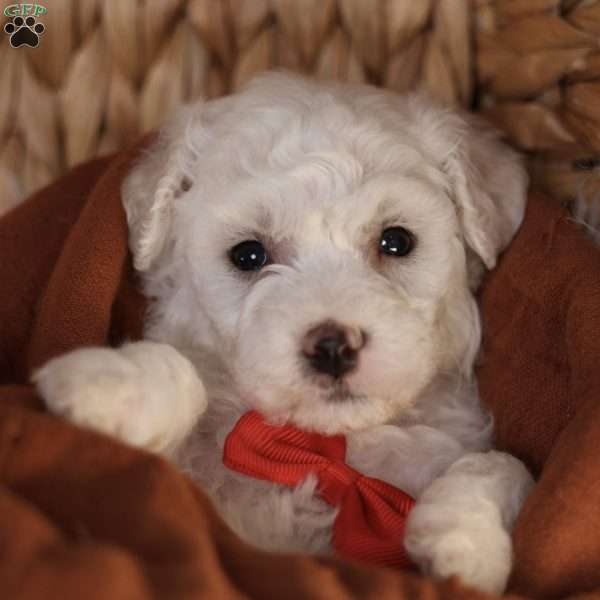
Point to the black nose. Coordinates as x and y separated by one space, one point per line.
333 349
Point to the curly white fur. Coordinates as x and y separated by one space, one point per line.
316 172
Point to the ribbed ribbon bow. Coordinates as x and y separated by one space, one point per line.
369 526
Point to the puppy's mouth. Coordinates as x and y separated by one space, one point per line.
338 392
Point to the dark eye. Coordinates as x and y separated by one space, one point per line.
248 256
396 241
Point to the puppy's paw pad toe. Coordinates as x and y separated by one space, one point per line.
458 554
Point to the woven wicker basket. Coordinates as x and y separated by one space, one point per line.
105 71
538 79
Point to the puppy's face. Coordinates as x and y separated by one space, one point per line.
314 246
326 288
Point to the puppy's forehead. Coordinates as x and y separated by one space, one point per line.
295 163
276 123
320 156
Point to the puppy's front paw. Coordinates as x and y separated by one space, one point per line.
145 394
481 557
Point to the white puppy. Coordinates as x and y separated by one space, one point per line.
312 251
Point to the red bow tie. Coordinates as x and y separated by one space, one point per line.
369 526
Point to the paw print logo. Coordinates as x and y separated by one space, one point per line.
24 32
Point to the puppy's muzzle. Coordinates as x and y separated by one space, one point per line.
333 349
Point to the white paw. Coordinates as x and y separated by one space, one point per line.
145 394
481 557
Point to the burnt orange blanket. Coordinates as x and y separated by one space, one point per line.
82 516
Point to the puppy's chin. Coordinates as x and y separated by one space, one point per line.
330 411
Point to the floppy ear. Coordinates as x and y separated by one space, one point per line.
151 189
489 185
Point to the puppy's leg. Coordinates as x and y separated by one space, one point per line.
461 524
146 394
